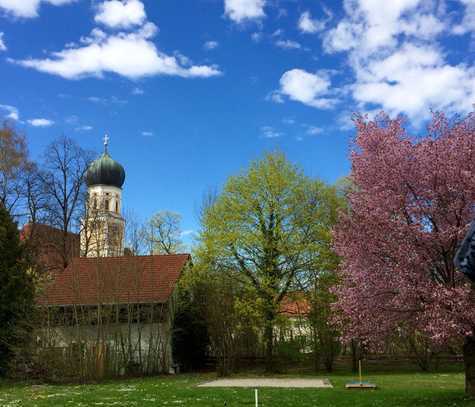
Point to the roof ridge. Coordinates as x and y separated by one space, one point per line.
141 256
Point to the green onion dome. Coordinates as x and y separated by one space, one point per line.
105 171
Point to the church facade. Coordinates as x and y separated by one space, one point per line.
107 313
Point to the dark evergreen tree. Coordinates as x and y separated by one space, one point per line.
16 291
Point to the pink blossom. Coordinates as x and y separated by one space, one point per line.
411 202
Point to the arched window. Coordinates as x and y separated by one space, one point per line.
106 202
117 206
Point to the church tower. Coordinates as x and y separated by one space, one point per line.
103 227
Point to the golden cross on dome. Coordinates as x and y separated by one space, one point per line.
106 142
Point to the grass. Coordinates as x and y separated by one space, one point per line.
398 390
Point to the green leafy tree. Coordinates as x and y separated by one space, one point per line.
226 309
318 283
268 226
16 291
325 335
190 328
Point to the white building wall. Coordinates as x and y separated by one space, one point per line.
102 234
99 193
139 340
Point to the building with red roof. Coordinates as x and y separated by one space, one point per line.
105 312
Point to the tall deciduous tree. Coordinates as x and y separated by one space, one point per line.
319 282
265 228
163 233
14 165
135 233
63 180
410 204
16 290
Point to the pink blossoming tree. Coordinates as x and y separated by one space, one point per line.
410 204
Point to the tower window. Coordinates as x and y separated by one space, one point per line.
117 206
106 204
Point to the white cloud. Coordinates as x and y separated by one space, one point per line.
11 112
188 233
398 65
182 59
256 37
40 122
275 96
107 100
311 89
342 38
244 10
345 120
121 13
423 26
371 25
132 55
278 37
95 99
314 130
209 45
413 80
270 132
137 91
288 44
84 128
73 119
3 47
308 25
467 24
28 8
147 133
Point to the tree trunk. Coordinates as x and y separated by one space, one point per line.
329 355
469 361
316 351
269 343
355 356
469 355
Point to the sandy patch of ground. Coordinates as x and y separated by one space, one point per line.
263 382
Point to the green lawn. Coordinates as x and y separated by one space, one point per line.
405 389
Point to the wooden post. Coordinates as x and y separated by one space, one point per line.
359 370
100 360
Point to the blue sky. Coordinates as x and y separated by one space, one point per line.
191 92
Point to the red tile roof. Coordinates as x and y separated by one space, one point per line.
110 280
48 244
294 305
